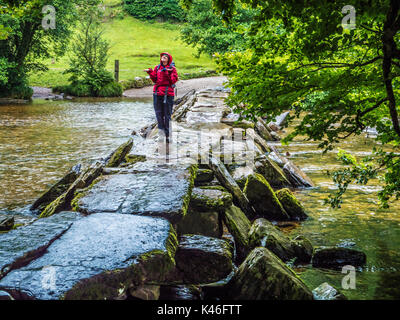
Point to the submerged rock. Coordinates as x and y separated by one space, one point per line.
203 259
239 226
292 206
326 292
153 190
334 258
100 257
262 276
20 246
263 199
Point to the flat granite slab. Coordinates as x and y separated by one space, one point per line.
19 246
103 245
150 190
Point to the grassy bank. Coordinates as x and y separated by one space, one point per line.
136 44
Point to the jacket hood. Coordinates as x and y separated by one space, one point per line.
169 57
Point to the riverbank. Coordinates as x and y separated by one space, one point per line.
183 87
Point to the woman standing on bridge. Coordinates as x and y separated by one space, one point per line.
164 77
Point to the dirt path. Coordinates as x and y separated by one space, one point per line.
183 87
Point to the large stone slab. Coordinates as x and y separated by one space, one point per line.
18 247
337 257
150 190
98 258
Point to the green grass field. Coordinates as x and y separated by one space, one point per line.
136 44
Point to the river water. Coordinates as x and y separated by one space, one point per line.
41 141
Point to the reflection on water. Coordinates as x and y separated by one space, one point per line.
41 141
359 224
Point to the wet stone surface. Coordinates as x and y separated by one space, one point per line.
203 259
163 191
94 244
26 241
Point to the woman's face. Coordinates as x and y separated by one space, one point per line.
164 60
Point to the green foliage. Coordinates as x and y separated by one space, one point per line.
167 10
206 31
337 81
112 89
3 71
88 59
24 42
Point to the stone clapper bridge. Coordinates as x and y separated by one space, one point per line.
157 215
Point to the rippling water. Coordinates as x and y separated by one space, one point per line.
359 224
40 142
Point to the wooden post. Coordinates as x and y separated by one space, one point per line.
116 73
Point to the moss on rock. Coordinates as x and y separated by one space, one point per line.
262 276
271 172
292 206
263 198
239 226
264 234
134 158
119 154
210 200
204 176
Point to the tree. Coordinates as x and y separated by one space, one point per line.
338 81
24 42
206 31
88 59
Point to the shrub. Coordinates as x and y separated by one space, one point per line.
113 89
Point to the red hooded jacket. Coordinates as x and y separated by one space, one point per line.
165 78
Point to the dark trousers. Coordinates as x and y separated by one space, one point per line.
163 112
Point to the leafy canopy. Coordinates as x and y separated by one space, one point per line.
24 42
209 34
337 81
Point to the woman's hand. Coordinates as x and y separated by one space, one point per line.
147 70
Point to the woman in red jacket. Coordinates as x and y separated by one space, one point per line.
164 77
